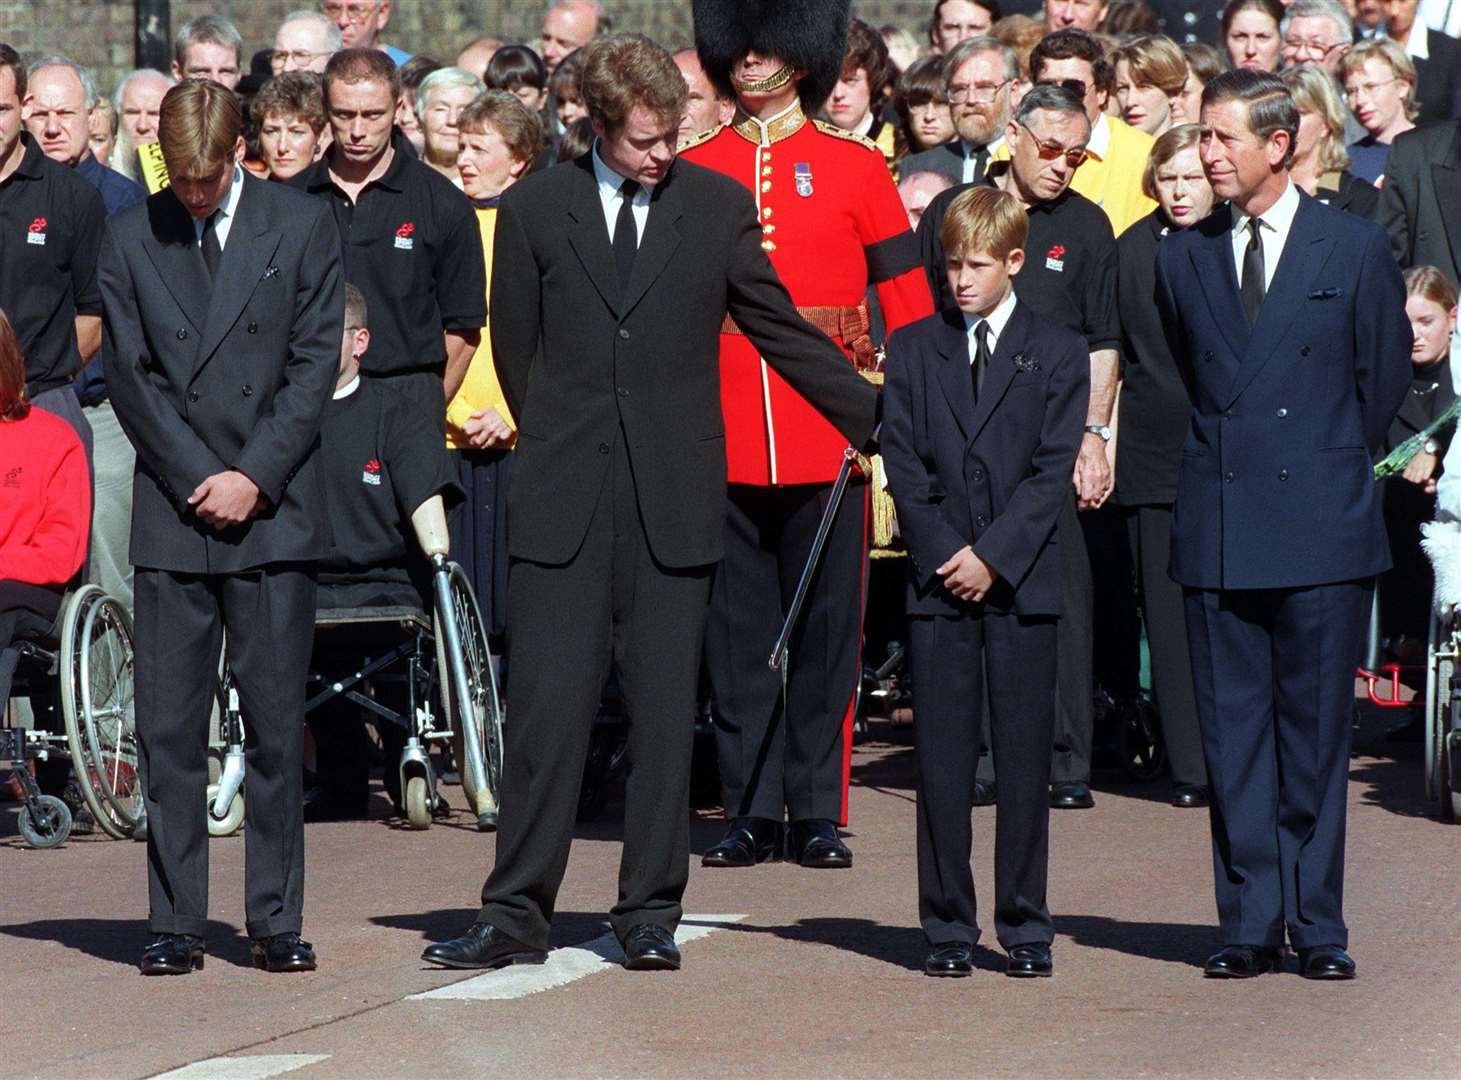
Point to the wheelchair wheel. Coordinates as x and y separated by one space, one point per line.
1439 668
418 803
1143 751
469 695
232 821
49 826
97 705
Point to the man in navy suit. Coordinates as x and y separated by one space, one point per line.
1289 319
983 418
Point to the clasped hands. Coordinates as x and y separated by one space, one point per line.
967 576
1095 478
226 499
487 430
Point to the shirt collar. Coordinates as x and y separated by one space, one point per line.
346 390
1418 47
32 161
229 208
401 157
865 128
1279 217
1099 143
89 168
969 150
610 182
765 132
997 319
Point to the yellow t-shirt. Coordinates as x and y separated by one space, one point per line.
480 388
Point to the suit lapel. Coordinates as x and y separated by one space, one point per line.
1304 255
251 244
589 235
1213 262
954 371
1001 368
1446 175
172 245
657 246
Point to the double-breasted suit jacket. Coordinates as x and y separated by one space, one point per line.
229 375
1287 413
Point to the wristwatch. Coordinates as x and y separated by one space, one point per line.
1430 446
1099 429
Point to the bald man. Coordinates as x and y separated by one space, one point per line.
569 25
706 108
476 56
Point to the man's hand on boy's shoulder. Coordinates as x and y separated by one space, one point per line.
967 576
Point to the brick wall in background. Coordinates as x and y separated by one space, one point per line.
98 33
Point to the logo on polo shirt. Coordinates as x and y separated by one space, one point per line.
12 477
1055 258
36 234
403 236
372 472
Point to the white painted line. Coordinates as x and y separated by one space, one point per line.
563 966
249 1067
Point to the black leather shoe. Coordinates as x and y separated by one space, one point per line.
483 946
322 805
814 843
283 952
651 948
950 960
1241 962
1071 795
1030 961
748 841
1190 795
984 792
1326 962
172 954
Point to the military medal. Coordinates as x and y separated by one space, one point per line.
803 171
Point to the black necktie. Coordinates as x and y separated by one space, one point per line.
981 162
626 234
982 356
1252 287
212 249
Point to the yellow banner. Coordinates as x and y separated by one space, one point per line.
154 169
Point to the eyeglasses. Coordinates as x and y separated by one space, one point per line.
1353 93
354 12
1049 151
1075 86
1316 49
962 92
302 57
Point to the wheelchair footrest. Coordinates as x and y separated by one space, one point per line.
1388 697
1453 748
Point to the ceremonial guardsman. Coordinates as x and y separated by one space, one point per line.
832 224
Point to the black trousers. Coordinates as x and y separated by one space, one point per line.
1274 674
1150 529
26 612
954 661
787 755
180 621
612 604
1074 681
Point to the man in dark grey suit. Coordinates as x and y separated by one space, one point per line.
224 312
1420 204
608 349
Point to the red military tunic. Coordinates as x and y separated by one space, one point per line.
833 224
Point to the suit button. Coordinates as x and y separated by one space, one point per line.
1207 358
624 333
1230 476
253 328
1283 474
603 448
192 395
182 335
978 474
248 391
1228 415
981 520
1282 413
623 392
1304 351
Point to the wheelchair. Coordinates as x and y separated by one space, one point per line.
86 662
442 656
1442 544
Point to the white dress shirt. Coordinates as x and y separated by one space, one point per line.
609 195
226 212
971 156
997 319
1443 16
1277 220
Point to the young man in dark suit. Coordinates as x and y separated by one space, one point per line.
1288 318
616 273
984 416
224 309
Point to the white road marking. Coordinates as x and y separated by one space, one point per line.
563 966
248 1067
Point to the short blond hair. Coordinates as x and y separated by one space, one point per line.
1154 61
984 220
1168 145
1392 55
198 127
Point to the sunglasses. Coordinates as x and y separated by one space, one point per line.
1075 86
1049 151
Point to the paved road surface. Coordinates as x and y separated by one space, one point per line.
788 972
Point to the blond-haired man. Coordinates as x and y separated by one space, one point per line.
224 308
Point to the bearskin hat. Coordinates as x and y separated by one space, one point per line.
807 34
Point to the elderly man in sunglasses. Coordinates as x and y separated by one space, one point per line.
1069 275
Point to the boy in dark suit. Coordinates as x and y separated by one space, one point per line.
983 418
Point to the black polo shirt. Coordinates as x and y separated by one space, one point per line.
1070 263
412 246
51 222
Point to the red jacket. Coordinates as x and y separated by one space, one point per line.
832 224
45 500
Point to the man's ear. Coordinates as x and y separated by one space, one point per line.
27 106
362 343
240 149
1278 148
1014 262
